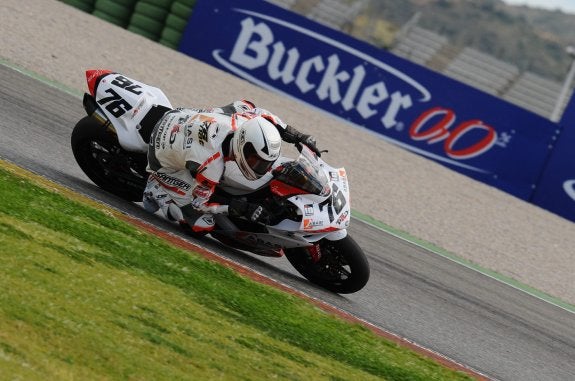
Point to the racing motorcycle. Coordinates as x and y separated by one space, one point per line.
308 200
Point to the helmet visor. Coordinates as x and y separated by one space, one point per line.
259 165
255 162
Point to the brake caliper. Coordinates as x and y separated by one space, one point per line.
315 253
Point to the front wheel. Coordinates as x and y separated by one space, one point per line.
339 266
99 154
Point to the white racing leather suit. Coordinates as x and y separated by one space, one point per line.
186 160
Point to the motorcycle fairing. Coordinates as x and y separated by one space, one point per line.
265 241
125 102
331 214
93 77
282 189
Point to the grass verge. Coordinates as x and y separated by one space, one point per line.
87 296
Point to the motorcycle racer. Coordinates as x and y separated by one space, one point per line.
200 164
188 150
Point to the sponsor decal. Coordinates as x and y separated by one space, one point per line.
342 218
170 181
427 129
137 109
217 131
353 90
156 137
174 133
309 224
203 132
308 209
202 192
208 219
189 138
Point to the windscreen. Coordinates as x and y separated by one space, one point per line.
304 174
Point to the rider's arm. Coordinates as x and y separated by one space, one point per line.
204 200
234 208
291 135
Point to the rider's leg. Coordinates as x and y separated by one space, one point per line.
173 191
156 197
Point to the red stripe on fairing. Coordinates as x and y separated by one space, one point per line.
284 190
92 76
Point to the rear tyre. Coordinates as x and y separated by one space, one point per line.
99 154
342 266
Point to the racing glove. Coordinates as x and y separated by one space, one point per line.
253 212
291 135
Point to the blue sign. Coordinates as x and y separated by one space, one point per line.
568 118
425 112
556 190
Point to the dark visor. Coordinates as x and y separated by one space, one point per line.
255 162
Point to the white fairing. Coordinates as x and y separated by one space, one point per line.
125 102
322 217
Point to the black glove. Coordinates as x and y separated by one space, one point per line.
253 212
310 142
291 135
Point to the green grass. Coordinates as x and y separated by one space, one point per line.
86 296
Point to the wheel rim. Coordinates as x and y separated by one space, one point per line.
332 264
108 166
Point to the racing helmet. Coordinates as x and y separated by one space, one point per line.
256 146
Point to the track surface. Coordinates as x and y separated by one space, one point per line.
466 316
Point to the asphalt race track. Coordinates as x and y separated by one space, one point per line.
466 316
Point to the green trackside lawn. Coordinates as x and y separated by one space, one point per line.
85 296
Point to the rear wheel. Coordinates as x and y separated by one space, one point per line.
99 154
339 266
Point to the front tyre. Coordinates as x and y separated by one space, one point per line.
339 266
99 154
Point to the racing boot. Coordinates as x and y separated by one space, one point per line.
205 223
197 224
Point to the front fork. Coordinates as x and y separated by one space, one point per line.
315 251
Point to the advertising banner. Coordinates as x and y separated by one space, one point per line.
425 112
556 190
